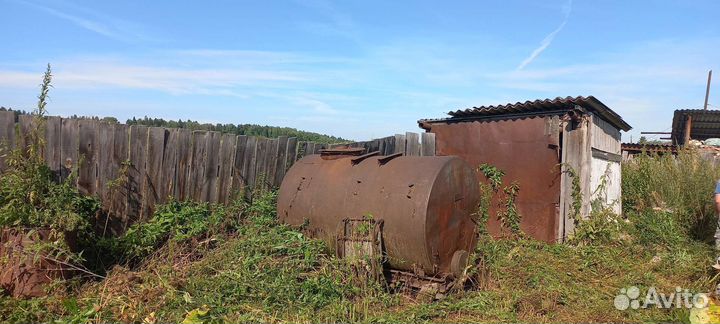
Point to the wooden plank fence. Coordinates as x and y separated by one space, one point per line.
133 168
411 144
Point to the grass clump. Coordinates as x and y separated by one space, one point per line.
175 221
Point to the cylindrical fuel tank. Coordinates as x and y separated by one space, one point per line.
425 203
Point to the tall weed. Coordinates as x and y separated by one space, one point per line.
679 187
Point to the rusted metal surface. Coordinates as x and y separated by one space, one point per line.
424 203
527 150
695 124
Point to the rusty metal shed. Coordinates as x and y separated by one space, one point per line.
696 124
534 143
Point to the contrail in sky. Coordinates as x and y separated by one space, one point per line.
566 9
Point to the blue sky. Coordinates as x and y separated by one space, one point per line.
357 69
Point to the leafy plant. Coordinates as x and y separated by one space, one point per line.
510 217
29 194
175 221
493 174
487 193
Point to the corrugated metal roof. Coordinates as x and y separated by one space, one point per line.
538 107
705 124
650 148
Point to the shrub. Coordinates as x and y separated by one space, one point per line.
680 187
174 221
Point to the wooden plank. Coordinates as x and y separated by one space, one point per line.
209 190
136 170
226 163
26 126
7 136
53 128
374 145
310 148
239 173
104 176
249 163
280 160
184 158
106 172
153 187
88 156
261 153
69 148
412 146
428 144
271 160
291 152
197 166
119 191
170 165
400 143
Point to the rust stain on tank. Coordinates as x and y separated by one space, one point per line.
425 203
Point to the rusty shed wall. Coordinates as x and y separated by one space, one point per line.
527 150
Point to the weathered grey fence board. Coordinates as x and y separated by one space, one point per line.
272 155
412 144
250 163
261 162
170 165
184 158
53 127
291 152
226 161
106 171
197 166
152 187
428 144
239 173
87 172
209 189
136 173
119 190
69 149
7 135
399 143
26 125
280 160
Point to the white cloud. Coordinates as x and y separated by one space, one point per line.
93 21
111 73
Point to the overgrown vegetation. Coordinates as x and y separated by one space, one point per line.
31 198
507 213
677 192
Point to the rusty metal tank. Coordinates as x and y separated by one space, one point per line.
424 202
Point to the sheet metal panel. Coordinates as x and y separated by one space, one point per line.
528 151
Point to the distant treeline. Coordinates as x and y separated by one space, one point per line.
242 129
